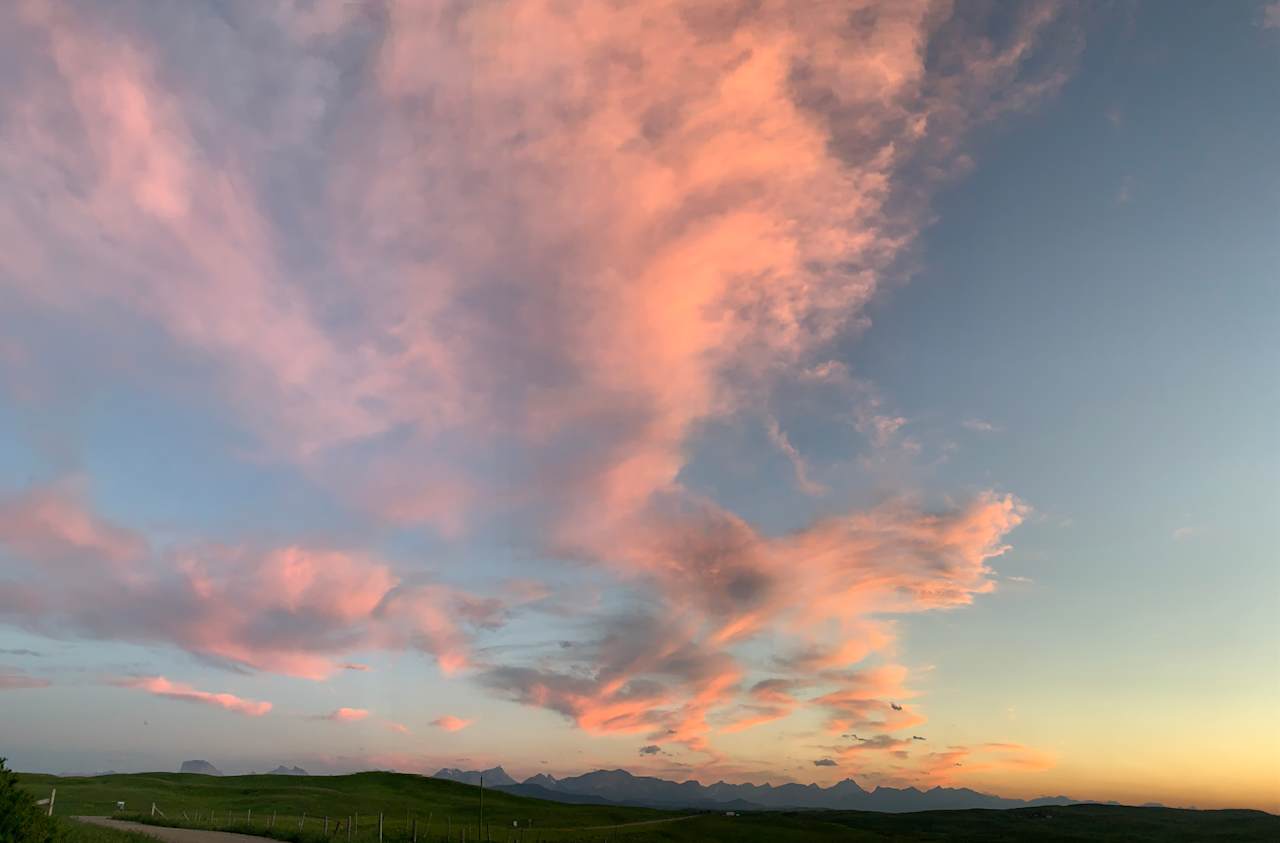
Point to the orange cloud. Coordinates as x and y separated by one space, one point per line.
347 715
671 675
161 687
958 761
451 724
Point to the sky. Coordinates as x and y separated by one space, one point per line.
759 391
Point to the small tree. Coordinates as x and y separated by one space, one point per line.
21 819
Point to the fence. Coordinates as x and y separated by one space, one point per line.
353 827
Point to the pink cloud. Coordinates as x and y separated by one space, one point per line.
716 193
1271 16
451 724
16 679
161 687
577 248
53 524
346 715
294 610
398 728
719 584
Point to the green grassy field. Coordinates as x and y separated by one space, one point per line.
247 804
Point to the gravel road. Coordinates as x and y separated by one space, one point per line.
175 835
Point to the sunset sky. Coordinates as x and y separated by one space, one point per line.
678 387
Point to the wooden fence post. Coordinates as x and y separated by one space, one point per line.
415 830
302 821
326 826
248 817
379 827
348 829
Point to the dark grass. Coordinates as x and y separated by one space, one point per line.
401 798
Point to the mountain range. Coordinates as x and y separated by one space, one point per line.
619 787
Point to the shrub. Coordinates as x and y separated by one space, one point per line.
21 819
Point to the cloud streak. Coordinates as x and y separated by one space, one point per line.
161 687
11 680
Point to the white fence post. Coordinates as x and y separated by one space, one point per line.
52 795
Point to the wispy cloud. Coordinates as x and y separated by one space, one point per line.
1186 532
1271 16
11 679
345 715
450 723
801 468
981 426
161 687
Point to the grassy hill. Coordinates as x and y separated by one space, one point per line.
223 802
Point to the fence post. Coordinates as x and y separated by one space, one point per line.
52 796
273 819
379 827
348 829
326 826
415 830
302 821
248 817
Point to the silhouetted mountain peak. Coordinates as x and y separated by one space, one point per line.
493 777
622 787
542 780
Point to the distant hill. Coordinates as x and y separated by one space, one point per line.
199 766
619 787
493 777
288 771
